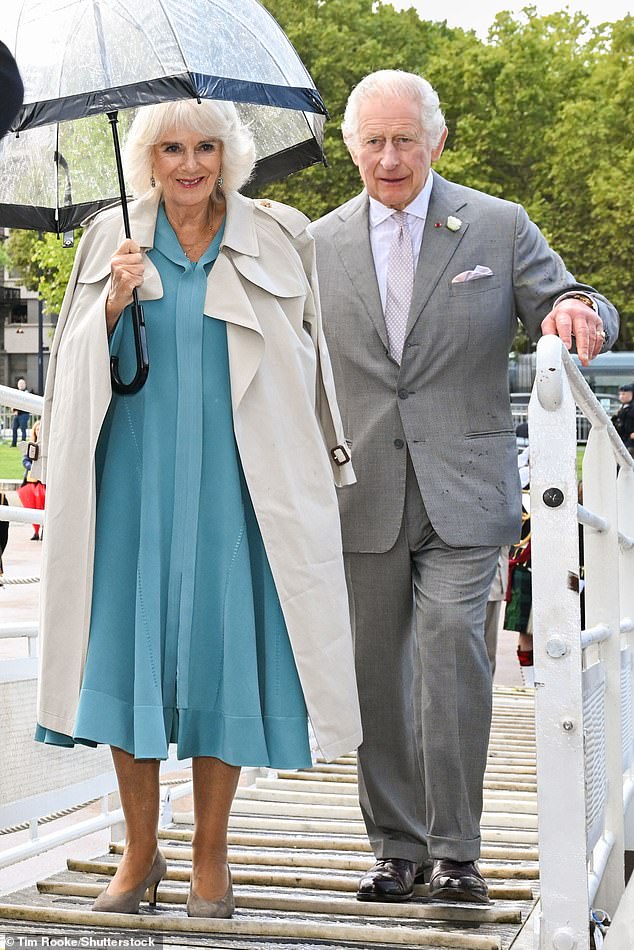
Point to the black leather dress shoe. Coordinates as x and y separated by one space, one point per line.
457 881
392 879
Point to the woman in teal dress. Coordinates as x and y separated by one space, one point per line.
187 641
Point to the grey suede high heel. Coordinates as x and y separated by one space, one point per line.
198 907
128 901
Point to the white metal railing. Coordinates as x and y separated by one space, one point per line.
33 810
11 399
18 399
519 411
584 687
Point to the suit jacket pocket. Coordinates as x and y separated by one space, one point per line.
490 433
478 285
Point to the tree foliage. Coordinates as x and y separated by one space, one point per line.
43 263
542 113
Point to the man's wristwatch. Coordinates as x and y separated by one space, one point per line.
584 298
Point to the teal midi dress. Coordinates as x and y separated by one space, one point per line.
187 640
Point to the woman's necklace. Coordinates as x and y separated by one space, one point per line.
194 249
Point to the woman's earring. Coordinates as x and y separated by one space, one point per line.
152 179
220 182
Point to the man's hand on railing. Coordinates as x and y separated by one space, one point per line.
572 317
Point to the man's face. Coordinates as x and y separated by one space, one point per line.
625 397
392 152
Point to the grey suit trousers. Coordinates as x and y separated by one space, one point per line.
418 620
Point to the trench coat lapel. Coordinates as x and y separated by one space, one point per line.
227 298
438 247
353 243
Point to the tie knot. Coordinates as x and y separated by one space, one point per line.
401 219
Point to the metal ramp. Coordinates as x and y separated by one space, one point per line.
297 848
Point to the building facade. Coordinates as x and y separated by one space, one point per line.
26 334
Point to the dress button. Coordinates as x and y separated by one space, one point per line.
403 394
398 443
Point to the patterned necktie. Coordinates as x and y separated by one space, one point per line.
400 282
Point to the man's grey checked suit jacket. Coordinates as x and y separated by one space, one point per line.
448 401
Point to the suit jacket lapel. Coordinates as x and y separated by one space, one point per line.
439 244
353 243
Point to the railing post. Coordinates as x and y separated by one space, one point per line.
625 502
557 646
602 603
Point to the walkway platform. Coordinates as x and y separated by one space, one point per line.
297 849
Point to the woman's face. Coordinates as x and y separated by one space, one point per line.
187 166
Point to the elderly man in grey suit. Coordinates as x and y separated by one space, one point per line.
421 283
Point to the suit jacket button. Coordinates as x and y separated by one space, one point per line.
398 443
403 394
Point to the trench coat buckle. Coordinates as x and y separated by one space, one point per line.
340 455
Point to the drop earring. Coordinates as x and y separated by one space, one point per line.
220 182
152 179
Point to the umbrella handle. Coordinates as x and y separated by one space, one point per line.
140 347
138 321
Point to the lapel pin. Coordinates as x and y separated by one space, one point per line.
453 224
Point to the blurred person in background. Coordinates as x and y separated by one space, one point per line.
623 420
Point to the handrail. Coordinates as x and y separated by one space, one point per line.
23 628
22 515
591 519
584 701
551 357
596 634
19 399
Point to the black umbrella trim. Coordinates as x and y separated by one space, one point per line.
38 218
166 89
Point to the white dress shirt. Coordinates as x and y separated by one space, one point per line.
382 230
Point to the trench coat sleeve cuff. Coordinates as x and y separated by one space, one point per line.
114 340
344 474
326 405
330 419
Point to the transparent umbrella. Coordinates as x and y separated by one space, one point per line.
83 60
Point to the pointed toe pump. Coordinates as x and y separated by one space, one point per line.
128 901
198 907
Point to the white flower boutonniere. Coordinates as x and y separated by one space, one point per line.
454 224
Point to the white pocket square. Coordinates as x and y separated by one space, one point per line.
478 271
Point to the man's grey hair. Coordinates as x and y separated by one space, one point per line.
211 119
389 83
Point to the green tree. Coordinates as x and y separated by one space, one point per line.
503 98
340 41
592 173
542 114
44 264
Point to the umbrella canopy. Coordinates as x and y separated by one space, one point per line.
82 58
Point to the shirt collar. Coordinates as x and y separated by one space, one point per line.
167 243
418 207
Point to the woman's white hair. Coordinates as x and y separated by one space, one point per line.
388 83
214 119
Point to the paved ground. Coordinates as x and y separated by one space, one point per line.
20 603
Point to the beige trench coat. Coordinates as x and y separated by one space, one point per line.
286 424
